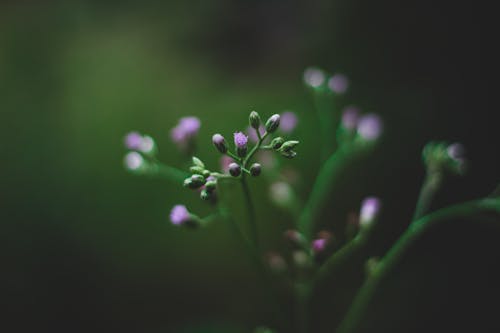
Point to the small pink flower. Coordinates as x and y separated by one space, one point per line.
370 127
338 83
179 215
185 131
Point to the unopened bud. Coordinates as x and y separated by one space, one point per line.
370 209
219 143
197 170
194 182
210 185
255 169
288 146
234 169
290 154
277 143
205 195
197 162
273 123
254 120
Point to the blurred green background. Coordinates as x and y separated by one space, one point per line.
88 247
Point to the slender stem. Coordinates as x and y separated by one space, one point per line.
399 249
254 150
271 294
429 188
339 258
323 103
300 307
328 174
251 211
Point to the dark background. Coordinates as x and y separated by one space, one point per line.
87 247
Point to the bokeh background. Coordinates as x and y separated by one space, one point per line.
88 247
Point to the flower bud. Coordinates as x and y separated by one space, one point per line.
370 127
196 170
240 141
319 245
133 140
205 195
254 120
338 83
255 169
288 146
289 154
219 143
147 145
179 215
370 209
440 157
234 169
314 77
134 161
210 185
273 123
277 143
194 182
197 162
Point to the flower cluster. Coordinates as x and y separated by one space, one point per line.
345 136
142 148
185 132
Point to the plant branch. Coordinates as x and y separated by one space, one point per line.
399 249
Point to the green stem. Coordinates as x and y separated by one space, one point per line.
323 103
325 180
399 249
300 307
429 188
251 211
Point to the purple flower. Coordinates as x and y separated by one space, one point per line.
350 117
240 140
179 215
319 245
456 151
133 140
288 121
338 83
370 208
314 77
370 127
133 161
185 131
